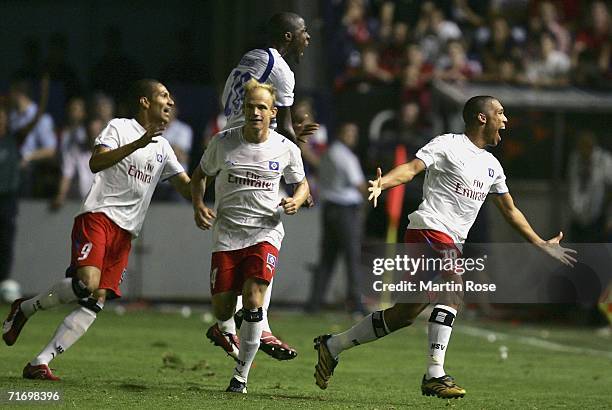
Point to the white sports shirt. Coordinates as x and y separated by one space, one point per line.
458 179
246 187
266 66
123 192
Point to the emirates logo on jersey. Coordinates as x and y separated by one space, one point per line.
252 180
470 193
141 175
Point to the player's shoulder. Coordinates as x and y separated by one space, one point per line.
122 124
282 142
443 140
279 64
251 57
493 160
227 136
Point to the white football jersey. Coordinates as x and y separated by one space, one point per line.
266 66
123 192
458 179
246 187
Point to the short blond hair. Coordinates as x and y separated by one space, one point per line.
253 84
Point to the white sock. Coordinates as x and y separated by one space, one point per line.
227 326
439 332
61 292
370 328
250 333
266 305
69 331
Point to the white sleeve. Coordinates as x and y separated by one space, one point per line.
284 82
109 137
499 186
186 138
354 173
69 165
45 129
209 164
432 152
294 171
172 165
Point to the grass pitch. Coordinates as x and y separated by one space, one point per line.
147 359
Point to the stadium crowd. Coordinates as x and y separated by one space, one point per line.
402 44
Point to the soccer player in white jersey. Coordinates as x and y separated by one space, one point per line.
451 201
248 163
287 40
129 158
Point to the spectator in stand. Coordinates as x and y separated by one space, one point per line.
433 32
102 107
10 143
357 25
392 53
409 127
75 150
415 88
590 178
455 65
369 73
550 67
357 29
469 14
497 42
302 113
507 73
592 49
343 187
40 142
386 19
180 136
551 22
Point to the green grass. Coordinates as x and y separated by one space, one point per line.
148 360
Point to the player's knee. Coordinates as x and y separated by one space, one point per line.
253 315
253 294
90 277
92 304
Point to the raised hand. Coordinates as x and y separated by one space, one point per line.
375 187
305 129
153 130
554 249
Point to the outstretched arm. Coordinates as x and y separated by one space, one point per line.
42 107
399 175
202 214
517 220
104 157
